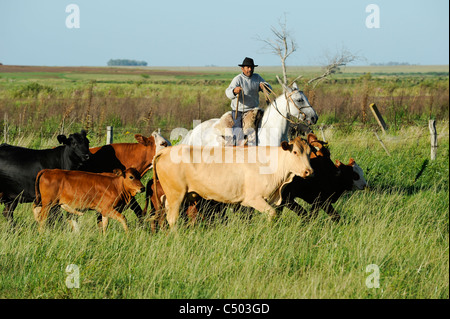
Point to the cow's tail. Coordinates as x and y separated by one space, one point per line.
37 203
155 177
158 206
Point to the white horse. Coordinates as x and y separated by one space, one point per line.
272 129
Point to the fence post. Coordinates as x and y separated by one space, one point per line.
109 135
378 117
382 144
323 135
433 133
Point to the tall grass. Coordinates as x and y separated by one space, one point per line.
400 224
48 105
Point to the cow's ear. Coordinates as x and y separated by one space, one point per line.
139 138
143 140
62 139
286 146
118 172
311 138
83 133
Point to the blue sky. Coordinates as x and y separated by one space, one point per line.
222 33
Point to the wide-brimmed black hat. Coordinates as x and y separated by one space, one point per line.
247 62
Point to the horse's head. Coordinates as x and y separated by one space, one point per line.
301 108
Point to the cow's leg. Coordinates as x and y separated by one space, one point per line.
72 221
99 220
104 224
329 209
55 216
148 196
173 211
136 209
71 210
36 212
8 211
296 207
157 221
42 215
117 216
261 205
192 213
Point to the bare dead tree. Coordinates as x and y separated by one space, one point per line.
340 59
282 44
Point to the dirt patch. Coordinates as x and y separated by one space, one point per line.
93 70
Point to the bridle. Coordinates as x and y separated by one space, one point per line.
288 96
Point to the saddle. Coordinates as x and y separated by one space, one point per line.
250 121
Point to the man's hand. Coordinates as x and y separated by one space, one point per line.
237 90
263 86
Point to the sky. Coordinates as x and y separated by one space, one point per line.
221 33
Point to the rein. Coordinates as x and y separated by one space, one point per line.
267 92
237 103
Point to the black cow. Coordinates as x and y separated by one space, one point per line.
330 181
19 167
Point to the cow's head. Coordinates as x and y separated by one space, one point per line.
359 182
77 145
297 160
132 181
153 144
160 141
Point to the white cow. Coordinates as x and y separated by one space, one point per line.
250 176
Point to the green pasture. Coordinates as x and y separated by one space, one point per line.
400 224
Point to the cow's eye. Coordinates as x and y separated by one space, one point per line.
131 177
295 152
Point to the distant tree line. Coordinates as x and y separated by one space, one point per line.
116 62
390 64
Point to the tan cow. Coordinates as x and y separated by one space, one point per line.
77 191
250 176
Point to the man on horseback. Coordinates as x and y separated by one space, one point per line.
243 93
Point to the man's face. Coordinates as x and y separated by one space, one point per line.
248 70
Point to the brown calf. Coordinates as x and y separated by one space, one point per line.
76 191
125 155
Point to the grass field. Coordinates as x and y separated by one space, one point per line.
400 223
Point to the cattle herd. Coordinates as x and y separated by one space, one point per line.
186 178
